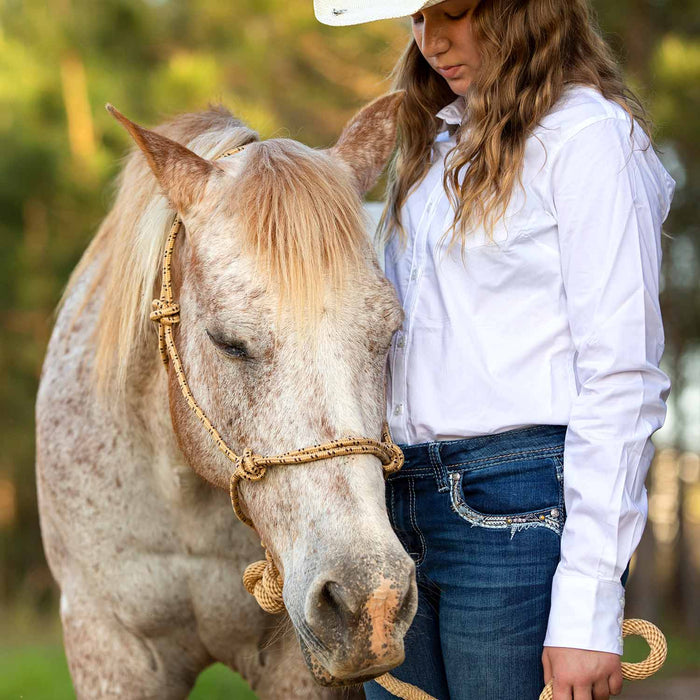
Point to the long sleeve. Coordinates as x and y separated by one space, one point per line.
610 197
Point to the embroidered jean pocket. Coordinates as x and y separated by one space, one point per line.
512 494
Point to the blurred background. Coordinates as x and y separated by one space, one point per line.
285 75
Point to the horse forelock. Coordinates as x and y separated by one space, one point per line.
303 223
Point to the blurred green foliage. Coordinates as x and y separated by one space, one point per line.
284 74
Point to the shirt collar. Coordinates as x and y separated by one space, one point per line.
453 113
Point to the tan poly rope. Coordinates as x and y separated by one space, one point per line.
401 689
262 579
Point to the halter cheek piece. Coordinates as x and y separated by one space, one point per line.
261 579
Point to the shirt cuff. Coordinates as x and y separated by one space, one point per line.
586 613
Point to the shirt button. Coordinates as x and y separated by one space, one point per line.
414 274
398 410
401 342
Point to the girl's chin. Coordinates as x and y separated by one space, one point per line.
459 87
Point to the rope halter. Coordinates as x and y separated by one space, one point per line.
248 465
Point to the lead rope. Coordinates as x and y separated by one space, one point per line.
262 579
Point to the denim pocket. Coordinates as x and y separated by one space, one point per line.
401 506
515 492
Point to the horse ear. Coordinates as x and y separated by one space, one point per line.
182 174
369 138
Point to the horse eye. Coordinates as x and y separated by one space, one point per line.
233 348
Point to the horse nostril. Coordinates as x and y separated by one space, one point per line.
338 599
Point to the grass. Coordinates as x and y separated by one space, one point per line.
33 665
41 673
35 673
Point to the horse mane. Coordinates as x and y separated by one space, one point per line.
302 221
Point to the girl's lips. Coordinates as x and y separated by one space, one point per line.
449 71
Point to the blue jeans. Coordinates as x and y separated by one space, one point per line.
482 518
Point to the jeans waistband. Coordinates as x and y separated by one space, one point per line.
438 456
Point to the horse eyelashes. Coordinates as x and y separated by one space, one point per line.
232 348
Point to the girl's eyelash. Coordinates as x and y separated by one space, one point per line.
419 19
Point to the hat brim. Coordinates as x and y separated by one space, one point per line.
342 13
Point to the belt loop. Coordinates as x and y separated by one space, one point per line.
438 467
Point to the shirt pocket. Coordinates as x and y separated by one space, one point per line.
514 492
520 216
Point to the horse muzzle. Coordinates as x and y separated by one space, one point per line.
354 619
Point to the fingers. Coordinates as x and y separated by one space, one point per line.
546 666
615 683
580 674
601 690
561 691
584 693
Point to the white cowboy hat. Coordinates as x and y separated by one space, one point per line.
343 12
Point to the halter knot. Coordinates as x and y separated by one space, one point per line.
166 313
248 467
262 580
395 458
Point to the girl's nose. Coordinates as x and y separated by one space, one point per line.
433 39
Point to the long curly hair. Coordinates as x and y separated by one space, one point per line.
531 50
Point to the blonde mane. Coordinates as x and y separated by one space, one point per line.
303 223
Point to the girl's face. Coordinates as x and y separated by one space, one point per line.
443 34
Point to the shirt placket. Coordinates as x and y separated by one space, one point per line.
401 415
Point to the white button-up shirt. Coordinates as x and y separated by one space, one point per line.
556 322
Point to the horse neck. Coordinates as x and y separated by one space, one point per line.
148 409
142 410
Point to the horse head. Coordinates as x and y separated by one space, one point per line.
286 321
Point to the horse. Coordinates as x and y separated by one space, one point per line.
286 322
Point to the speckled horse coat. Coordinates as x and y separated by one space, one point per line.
286 322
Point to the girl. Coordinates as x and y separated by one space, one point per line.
523 221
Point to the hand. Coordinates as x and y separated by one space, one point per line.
582 675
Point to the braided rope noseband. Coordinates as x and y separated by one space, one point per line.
262 579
